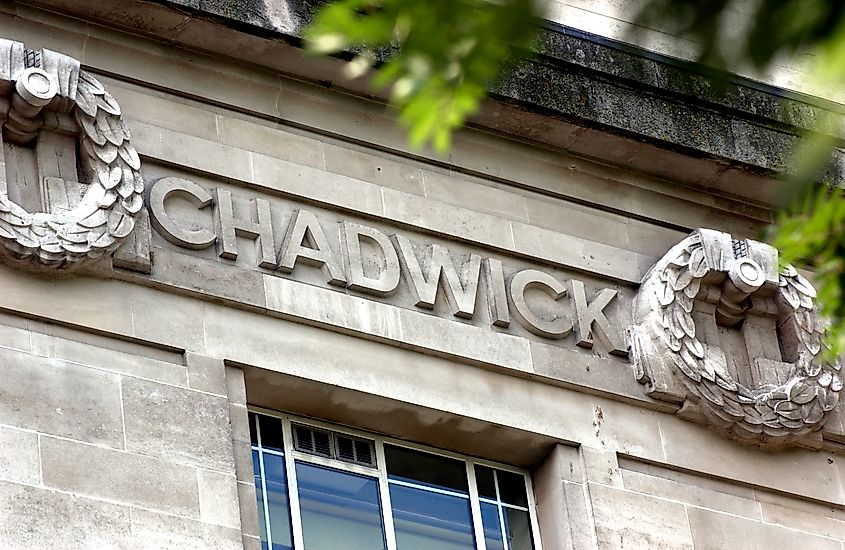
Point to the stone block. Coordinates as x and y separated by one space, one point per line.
59 398
484 196
824 521
95 303
19 456
273 140
183 150
580 221
205 373
561 502
714 530
208 278
402 175
793 471
163 109
177 424
448 220
120 476
586 370
218 494
15 337
600 466
163 532
690 494
328 307
316 185
251 543
249 509
469 343
134 253
633 521
32 517
110 359
582 254
235 385
167 318
241 443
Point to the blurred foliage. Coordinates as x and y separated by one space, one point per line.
737 34
441 54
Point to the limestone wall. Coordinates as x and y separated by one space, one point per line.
123 400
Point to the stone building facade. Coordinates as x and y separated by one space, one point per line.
236 311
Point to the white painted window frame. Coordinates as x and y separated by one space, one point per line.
379 473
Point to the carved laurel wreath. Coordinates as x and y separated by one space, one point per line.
106 213
791 409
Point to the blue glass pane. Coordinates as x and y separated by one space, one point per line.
339 509
518 528
492 526
259 495
433 521
277 502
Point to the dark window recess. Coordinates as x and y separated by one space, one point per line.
271 433
512 488
253 433
334 445
484 477
426 468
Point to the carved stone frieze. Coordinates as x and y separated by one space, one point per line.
719 330
70 183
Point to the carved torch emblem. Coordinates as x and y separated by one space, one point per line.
71 186
721 331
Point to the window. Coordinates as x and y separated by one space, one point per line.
321 488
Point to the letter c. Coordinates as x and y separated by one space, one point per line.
559 327
196 239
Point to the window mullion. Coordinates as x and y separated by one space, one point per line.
384 491
502 526
475 508
293 487
266 518
532 513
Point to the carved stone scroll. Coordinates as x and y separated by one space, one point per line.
721 331
47 105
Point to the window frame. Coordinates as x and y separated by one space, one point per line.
379 473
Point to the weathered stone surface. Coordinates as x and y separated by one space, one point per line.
561 501
631 520
177 424
91 354
164 532
249 512
166 318
712 530
19 456
68 301
821 520
218 498
600 466
206 374
33 517
690 493
60 398
120 476
241 443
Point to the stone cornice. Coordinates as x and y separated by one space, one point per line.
585 94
